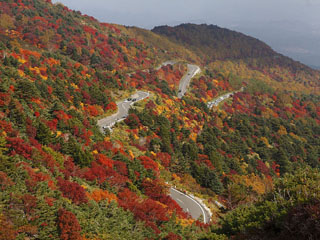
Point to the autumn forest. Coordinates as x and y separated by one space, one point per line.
253 159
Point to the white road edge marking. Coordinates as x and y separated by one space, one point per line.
204 215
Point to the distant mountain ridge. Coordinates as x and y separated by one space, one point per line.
207 39
299 40
212 43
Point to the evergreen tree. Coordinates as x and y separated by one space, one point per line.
43 133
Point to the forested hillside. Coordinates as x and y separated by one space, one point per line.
215 45
62 178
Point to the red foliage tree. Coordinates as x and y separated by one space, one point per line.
151 212
29 202
262 167
69 227
52 124
148 163
30 129
7 229
164 158
172 236
132 120
112 106
150 105
5 181
103 146
121 168
158 192
18 146
4 99
154 189
72 191
92 110
105 161
116 179
34 177
96 172
50 90
6 126
70 169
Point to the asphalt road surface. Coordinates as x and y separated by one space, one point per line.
185 81
123 109
189 205
219 99
124 106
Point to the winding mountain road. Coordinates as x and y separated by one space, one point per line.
124 106
186 202
185 80
190 205
219 99
123 109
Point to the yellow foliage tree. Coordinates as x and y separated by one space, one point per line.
282 131
6 21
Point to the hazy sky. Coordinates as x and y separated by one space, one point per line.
148 13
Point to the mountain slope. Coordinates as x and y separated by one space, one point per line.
167 48
62 178
217 44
